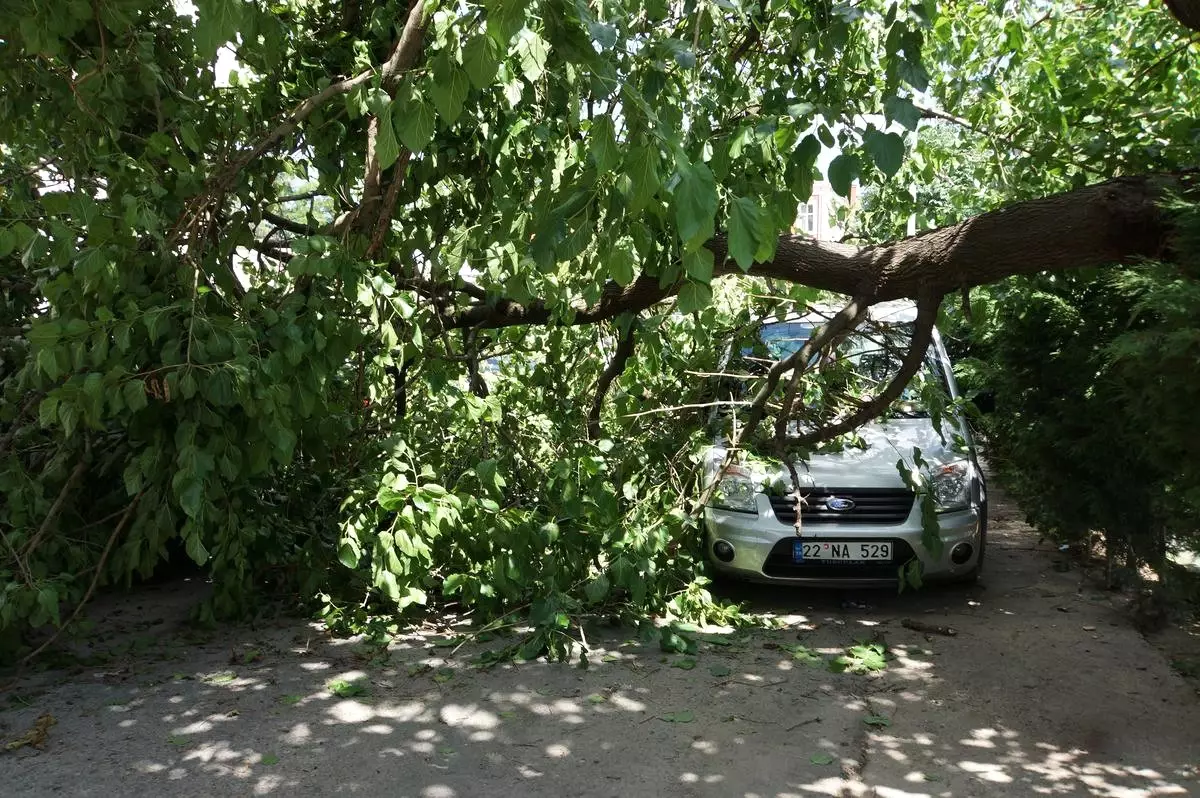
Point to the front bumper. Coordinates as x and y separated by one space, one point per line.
762 544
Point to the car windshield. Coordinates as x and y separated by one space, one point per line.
870 355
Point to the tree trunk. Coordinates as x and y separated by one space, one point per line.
1186 11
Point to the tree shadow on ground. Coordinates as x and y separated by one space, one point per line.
1043 690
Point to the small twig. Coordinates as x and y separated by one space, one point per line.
20 562
928 628
614 369
699 406
384 223
11 435
803 723
112 539
934 113
55 508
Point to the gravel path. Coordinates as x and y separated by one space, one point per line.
1044 689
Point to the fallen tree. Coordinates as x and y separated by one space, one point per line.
250 304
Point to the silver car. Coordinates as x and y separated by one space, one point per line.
860 521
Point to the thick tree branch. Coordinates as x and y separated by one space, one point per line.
845 319
408 47
403 57
927 309
615 300
302 112
284 223
59 504
384 223
1186 11
1118 221
112 539
615 368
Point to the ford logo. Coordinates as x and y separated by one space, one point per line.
839 505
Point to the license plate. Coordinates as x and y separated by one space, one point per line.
835 551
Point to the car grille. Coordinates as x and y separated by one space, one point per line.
871 506
779 563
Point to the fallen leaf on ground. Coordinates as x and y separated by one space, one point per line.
36 736
821 759
222 677
344 689
682 716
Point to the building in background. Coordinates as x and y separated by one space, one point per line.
818 216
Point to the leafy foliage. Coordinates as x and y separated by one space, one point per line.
248 305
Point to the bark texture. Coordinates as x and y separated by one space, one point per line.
1186 11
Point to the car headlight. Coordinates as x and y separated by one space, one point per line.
951 486
737 489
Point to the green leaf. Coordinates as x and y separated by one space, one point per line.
745 222
270 759
886 149
695 200
674 643
347 689
699 265
800 167
622 259
596 698
48 601
642 170
387 149
347 556
603 140
48 411
878 721
195 549
597 589
413 122
902 110
806 655
504 19
480 60
217 22
719 670
842 172
449 89
821 759
685 664
862 658
532 52
694 296
682 716
191 496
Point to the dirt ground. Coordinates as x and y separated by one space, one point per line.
1045 689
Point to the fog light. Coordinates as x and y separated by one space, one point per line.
961 553
722 551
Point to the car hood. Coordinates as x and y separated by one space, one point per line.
874 465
